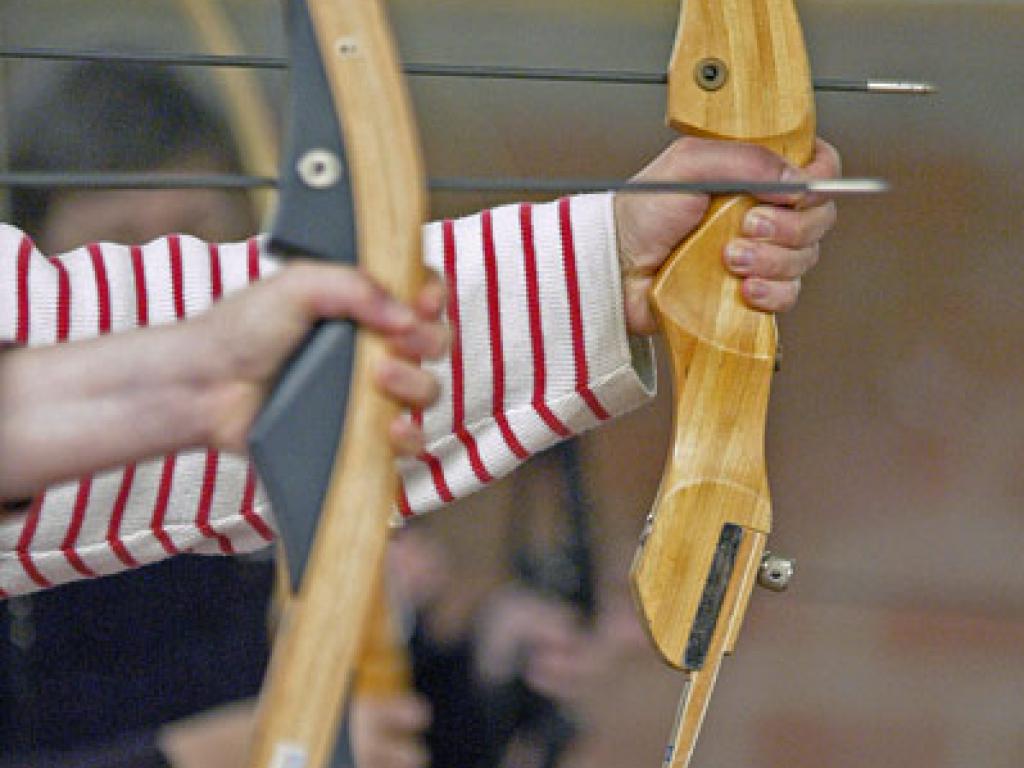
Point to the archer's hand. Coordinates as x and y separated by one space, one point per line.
210 739
387 732
538 638
251 334
781 235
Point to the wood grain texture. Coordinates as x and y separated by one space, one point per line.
384 667
767 98
323 628
722 351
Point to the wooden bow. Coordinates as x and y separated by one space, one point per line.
383 666
375 172
738 71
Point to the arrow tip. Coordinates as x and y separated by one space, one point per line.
848 186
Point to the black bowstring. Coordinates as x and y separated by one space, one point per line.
79 180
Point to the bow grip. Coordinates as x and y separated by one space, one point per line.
723 356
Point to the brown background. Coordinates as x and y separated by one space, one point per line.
897 429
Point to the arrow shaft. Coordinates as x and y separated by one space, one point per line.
430 69
89 180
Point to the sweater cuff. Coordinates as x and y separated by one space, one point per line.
540 350
626 377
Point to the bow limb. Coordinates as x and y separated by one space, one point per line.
380 168
739 72
384 669
247 109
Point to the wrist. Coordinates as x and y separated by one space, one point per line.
635 280
189 382
636 304
222 400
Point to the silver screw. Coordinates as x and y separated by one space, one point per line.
775 572
319 169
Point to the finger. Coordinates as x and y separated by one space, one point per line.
750 258
330 291
561 677
399 715
432 299
790 227
770 295
826 164
407 439
409 714
427 340
557 634
406 382
552 685
695 159
392 754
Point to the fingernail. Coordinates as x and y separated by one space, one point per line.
739 256
791 174
758 225
756 289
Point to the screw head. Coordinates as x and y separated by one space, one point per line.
775 572
347 47
711 73
319 169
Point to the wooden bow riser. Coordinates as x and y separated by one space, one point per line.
767 97
311 670
703 543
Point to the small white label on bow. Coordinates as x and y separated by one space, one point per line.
289 756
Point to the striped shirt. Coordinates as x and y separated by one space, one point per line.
539 352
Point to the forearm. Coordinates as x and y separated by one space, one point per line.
69 410
540 350
198 501
92 390
541 353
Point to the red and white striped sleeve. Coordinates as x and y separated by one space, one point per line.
540 352
195 501
539 346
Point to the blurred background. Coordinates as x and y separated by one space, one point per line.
896 433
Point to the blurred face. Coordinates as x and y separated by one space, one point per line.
138 216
